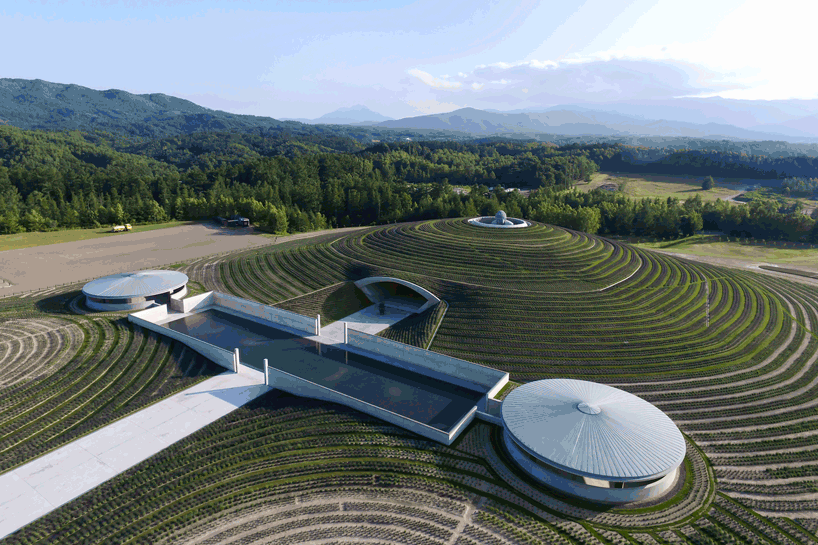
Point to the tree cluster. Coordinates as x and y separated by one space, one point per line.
62 180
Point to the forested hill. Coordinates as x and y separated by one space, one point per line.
38 104
702 162
124 119
52 180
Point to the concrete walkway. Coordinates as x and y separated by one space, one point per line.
34 489
368 320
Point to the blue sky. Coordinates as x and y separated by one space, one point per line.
404 58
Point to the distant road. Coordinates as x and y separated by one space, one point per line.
42 266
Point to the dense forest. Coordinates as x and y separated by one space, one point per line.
52 180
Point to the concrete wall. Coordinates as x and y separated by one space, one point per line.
297 386
462 372
213 353
588 492
264 312
154 314
178 296
197 301
370 287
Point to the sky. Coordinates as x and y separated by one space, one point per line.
306 58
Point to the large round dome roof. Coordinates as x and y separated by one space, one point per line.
593 430
135 284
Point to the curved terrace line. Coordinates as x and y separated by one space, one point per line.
351 259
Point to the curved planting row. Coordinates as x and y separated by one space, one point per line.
729 355
65 377
285 469
34 348
419 329
761 433
551 260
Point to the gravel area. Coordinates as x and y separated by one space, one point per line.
43 266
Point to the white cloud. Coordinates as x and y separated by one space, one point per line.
611 76
431 81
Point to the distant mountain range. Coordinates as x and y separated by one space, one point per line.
38 104
579 120
355 115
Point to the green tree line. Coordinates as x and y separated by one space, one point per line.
62 180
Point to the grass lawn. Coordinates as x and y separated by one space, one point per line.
28 240
655 185
711 246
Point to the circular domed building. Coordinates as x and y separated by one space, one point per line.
592 441
134 290
498 220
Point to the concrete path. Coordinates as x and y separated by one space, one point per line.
368 320
34 489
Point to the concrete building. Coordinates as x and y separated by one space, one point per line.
592 441
134 290
579 438
431 394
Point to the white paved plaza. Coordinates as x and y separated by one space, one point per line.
34 489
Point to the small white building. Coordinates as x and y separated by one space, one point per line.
134 290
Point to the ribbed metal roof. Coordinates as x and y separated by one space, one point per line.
135 284
593 430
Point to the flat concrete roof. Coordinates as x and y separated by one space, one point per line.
593 430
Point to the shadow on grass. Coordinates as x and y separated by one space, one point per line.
59 303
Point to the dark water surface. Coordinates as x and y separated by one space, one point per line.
413 395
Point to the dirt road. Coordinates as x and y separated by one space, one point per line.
43 266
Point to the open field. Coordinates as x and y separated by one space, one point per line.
740 252
730 355
56 264
29 240
680 187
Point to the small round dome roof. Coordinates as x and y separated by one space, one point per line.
593 430
135 284
500 217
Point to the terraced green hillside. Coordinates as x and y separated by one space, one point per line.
64 374
731 356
